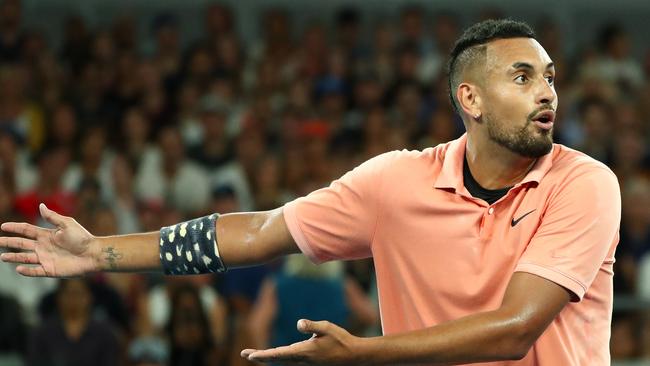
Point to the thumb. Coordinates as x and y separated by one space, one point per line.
51 216
319 328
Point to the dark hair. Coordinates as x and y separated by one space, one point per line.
465 51
608 33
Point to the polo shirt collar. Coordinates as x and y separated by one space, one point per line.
451 174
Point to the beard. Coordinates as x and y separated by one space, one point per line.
521 141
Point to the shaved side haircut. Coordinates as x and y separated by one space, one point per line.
470 48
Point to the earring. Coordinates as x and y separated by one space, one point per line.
477 115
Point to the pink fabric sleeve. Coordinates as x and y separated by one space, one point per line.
338 222
578 233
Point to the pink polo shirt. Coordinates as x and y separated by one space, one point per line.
441 254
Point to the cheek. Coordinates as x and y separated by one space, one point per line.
508 107
503 109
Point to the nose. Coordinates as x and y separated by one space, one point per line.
545 93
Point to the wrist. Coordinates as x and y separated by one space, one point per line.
366 351
97 263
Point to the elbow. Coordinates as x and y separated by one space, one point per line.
517 350
517 354
520 340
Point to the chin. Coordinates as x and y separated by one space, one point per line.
537 150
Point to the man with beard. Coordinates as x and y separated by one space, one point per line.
497 246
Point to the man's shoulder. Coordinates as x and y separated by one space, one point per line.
400 162
570 161
424 156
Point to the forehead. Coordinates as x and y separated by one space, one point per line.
502 53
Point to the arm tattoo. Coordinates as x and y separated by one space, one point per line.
112 257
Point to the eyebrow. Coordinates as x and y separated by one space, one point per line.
526 65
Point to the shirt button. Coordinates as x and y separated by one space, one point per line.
490 210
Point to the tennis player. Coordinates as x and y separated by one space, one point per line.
497 247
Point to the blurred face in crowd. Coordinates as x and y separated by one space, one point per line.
619 46
167 38
445 30
93 145
412 24
13 80
104 222
218 19
122 174
189 330
10 13
228 50
7 151
636 200
74 298
135 126
103 47
629 150
595 119
518 98
214 125
276 25
6 200
200 63
64 124
52 166
171 145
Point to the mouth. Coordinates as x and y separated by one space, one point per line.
544 119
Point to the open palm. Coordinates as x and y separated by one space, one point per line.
64 251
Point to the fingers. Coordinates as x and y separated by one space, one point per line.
51 216
247 352
37 271
292 353
318 328
21 228
22 258
17 243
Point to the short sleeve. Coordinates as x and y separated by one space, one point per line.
338 222
578 232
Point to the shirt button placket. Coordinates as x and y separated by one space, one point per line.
487 222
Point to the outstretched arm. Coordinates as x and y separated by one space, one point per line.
529 306
70 250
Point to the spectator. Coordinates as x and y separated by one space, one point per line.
306 291
72 336
215 149
10 32
49 187
174 179
615 64
13 332
192 339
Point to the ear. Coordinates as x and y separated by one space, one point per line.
469 100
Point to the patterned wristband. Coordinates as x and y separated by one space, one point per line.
190 247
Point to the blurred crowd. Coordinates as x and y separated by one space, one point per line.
127 135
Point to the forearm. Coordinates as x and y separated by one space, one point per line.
128 253
243 239
483 337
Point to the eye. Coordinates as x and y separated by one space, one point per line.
521 79
550 79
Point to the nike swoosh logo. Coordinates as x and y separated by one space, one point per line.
515 222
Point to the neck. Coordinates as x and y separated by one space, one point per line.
494 166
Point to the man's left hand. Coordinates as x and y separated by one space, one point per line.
329 345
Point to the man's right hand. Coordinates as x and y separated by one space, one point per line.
65 251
